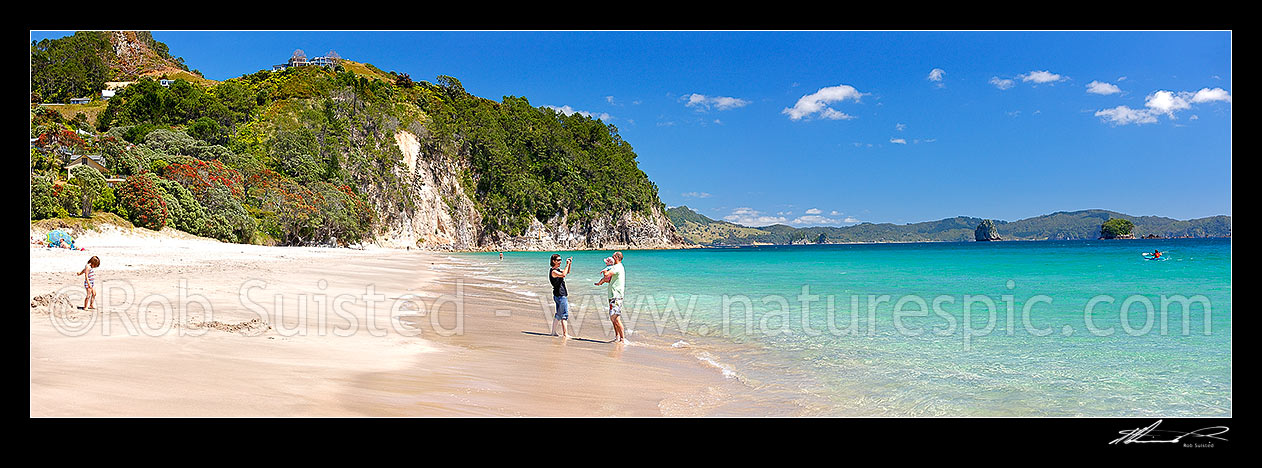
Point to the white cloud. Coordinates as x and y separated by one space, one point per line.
818 102
813 220
704 103
936 74
834 213
696 194
900 127
1121 78
567 110
898 141
814 211
751 217
1100 87
1001 83
1162 102
1194 117
1209 95
834 114
1122 115
850 219
1166 102
1041 77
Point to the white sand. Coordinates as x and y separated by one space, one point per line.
488 360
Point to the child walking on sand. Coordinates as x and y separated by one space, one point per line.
89 282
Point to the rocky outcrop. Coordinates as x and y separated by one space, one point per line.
442 217
986 231
627 230
133 57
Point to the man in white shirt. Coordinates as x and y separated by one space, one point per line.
615 277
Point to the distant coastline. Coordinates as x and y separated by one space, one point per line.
731 246
1062 225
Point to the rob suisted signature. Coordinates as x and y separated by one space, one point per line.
1150 434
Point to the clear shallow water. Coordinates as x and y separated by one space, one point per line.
910 329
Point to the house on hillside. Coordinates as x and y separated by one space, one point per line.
322 61
94 161
80 100
299 59
106 94
166 83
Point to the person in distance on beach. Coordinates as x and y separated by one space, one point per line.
556 276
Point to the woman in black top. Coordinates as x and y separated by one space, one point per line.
557 277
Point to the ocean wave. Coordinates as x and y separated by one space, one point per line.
724 368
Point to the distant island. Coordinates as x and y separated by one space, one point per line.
1117 228
986 232
1062 225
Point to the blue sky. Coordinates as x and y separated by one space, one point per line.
834 128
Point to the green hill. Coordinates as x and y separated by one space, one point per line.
705 231
699 229
345 153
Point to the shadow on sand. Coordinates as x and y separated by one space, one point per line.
549 335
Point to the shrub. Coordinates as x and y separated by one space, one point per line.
209 130
183 210
107 202
43 204
137 133
69 199
141 199
90 183
229 220
124 162
343 214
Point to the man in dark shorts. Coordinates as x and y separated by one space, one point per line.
557 277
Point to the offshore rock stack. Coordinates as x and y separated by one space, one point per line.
986 231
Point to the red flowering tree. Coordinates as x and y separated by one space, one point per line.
199 176
290 211
140 199
316 213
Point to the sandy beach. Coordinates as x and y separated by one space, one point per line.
193 327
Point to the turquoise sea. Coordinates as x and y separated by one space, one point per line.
1047 328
